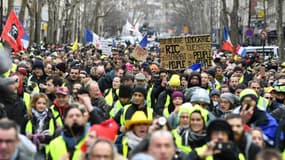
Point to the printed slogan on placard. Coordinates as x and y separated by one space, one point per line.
181 52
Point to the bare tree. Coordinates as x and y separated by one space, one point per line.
10 5
23 9
192 13
280 34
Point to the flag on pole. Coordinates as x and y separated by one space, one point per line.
196 66
143 42
241 51
75 45
130 27
91 37
25 40
227 44
13 32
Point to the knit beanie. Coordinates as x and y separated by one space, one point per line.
61 66
140 90
38 64
220 125
177 94
125 91
230 98
174 80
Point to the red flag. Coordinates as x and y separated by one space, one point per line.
13 32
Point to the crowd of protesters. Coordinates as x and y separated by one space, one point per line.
59 104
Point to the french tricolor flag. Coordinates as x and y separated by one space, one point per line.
91 37
241 51
227 44
25 40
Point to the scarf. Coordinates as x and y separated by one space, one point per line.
61 109
133 140
40 118
196 139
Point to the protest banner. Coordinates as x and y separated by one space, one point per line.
180 52
139 53
106 47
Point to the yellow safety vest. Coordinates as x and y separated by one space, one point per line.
123 119
241 79
202 149
29 127
262 103
27 99
166 104
56 116
109 97
178 141
148 97
57 149
125 148
117 106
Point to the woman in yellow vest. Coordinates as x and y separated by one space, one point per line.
137 129
40 126
111 95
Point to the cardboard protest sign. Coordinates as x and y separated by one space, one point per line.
180 52
139 53
106 47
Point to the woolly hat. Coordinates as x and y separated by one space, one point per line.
174 80
125 91
140 90
230 98
220 125
61 66
200 95
140 76
215 92
177 94
38 64
107 129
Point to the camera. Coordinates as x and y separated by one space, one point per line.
161 122
224 146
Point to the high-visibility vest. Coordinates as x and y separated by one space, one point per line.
178 141
262 103
202 149
56 116
109 96
148 97
125 146
241 79
123 116
57 149
117 106
29 127
166 104
27 99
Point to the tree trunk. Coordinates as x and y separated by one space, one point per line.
23 10
31 8
280 34
10 6
234 24
38 20
51 21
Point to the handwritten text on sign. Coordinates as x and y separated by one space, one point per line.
181 52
